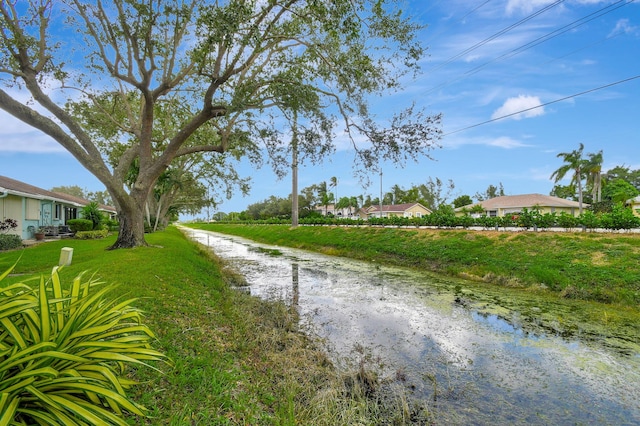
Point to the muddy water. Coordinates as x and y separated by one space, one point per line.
467 354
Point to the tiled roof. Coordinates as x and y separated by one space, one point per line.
524 200
22 188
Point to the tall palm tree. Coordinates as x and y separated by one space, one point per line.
574 162
593 168
333 183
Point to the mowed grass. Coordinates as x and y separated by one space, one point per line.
235 359
585 266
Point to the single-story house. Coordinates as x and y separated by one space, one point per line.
397 210
330 209
513 204
34 207
634 203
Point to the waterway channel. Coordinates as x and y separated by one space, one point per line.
470 354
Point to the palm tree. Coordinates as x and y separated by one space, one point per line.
593 168
323 195
573 161
333 183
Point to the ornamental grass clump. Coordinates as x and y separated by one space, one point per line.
64 353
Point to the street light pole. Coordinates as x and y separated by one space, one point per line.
380 193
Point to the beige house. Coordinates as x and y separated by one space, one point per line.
397 210
513 204
331 209
634 204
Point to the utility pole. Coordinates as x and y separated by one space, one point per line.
380 193
294 171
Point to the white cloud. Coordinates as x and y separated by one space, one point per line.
526 6
520 107
503 142
623 26
506 143
17 136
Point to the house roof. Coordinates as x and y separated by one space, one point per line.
524 200
16 187
634 200
393 208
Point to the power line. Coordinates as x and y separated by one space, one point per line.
568 27
498 34
543 105
444 30
575 24
474 9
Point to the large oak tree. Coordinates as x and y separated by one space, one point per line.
234 69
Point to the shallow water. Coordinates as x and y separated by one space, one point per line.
468 354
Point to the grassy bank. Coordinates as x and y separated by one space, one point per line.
236 360
585 266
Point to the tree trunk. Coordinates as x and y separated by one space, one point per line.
131 217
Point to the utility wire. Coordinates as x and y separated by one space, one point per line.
575 24
436 35
473 10
579 22
498 34
543 105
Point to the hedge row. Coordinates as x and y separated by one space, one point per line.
619 218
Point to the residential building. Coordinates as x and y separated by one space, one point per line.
330 209
634 204
513 204
397 210
34 207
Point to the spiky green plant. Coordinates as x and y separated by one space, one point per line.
64 351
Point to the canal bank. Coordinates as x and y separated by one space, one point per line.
470 356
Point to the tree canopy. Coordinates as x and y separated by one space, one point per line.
158 80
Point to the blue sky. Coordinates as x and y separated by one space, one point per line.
487 59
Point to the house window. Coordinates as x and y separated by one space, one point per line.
418 214
58 213
33 209
493 213
70 213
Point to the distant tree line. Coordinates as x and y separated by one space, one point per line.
619 218
601 191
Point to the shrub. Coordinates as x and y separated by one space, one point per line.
91 212
620 218
8 224
488 222
565 220
77 225
589 220
64 353
8 242
92 235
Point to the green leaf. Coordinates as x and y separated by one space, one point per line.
45 319
87 411
57 294
23 355
44 371
13 332
8 410
78 410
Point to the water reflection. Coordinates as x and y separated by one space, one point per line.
467 355
295 283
